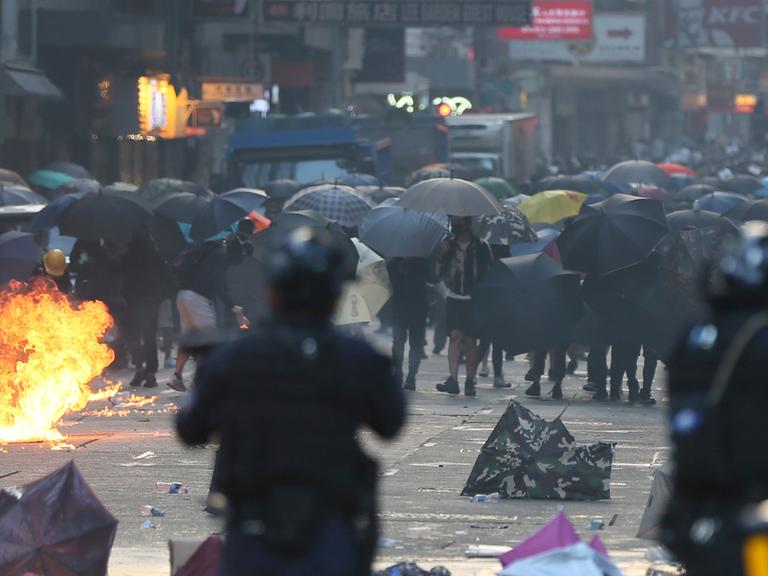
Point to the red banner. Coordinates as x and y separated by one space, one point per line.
567 20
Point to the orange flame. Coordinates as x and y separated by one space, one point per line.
50 351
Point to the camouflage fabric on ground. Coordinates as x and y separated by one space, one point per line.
528 457
412 569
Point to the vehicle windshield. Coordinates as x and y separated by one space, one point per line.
258 174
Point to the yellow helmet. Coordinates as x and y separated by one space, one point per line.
54 262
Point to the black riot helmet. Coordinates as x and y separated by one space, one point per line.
740 278
306 272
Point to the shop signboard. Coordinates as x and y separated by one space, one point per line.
567 20
720 23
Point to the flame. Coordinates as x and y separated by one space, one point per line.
50 351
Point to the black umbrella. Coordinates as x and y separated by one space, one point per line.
583 184
450 196
104 215
78 185
612 234
396 232
124 187
282 189
11 177
720 202
15 195
55 526
69 168
752 210
379 194
224 210
741 184
637 173
19 256
696 219
182 207
49 216
155 190
527 303
168 237
690 194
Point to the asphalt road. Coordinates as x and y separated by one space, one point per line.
423 516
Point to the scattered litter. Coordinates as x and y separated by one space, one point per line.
387 543
491 526
485 551
144 455
613 520
135 464
119 398
412 569
10 474
148 525
486 497
597 524
171 488
416 532
148 510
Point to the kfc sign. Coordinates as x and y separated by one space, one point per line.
720 23
570 20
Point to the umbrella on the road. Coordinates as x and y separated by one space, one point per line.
499 187
366 295
281 189
396 232
636 173
720 202
656 507
527 302
49 216
55 526
342 204
11 177
74 170
224 210
104 214
752 210
15 195
50 179
19 256
672 169
505 229
155 190
612 234
528 457
450 196
182 207
552 206
696 219
741 184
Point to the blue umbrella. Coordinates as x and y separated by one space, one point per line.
15 195
396 232
342 204
50 179
19 256
48 217
720 202
546 237
225 210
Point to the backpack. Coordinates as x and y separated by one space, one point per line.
185 265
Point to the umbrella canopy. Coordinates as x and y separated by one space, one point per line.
378 194
78 185
358 180
395 232
584 184
527 302
50 179
74 170
124 187
673 169
551 206
342 204
515 201
546 243
104 215
19 256
636 173
11 177
508 228
752 210
282 189
612 234
55 526
366 295
15 195
741 184
683 219
656 507
690 194
450 196
720 202
182 207
499 187
528 457
154 190
224 210
437 170
49 216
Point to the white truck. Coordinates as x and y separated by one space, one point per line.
502 145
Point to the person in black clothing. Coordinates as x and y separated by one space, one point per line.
409 307
286 403
145 284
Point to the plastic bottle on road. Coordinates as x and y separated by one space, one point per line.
486 497
148 510
171 488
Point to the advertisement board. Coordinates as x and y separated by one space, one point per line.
567 20
719 23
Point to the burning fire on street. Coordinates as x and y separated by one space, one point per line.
50 350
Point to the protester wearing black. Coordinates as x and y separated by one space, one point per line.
718 399
462 260
146 283
409 277
286 404
557 371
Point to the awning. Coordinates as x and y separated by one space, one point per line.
23 80
656 80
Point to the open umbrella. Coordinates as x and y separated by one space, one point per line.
49 179
437 170
124 187
584 184
49 216
182 207
11 177
612 234
379 194
551 206
366 295
342 204
636 173
355 179
720 202
546 243
19 256
690 194
104 214
396 232
450 196
154 190
281 189
78 185
673 169
55 526
528 457
505 229
499 187
741 184
527 302
15 195
752 210
224 210
74 170
696 219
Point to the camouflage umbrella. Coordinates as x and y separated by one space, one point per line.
505 229
528 457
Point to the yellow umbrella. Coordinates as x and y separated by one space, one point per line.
552 206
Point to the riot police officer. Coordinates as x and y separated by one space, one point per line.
718 401
286 403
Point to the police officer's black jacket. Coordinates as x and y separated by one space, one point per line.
286 403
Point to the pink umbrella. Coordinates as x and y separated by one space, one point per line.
557 534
